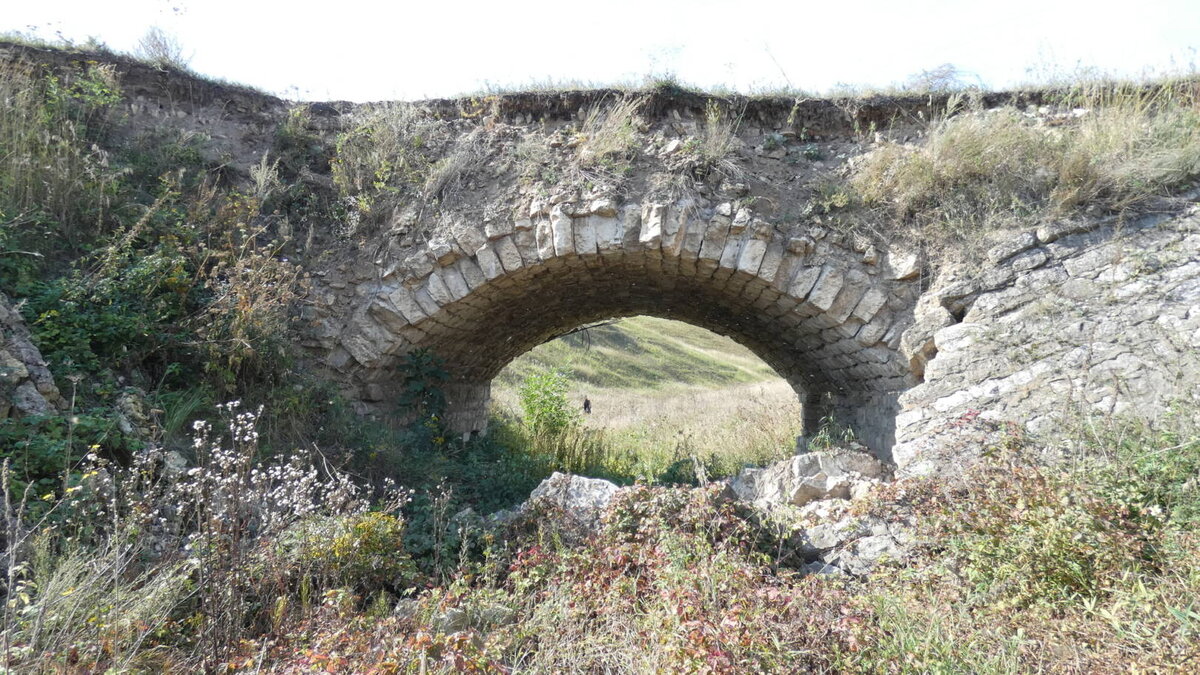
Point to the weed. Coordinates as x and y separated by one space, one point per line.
609 133
162 49
544 403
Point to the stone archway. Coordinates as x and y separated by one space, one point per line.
827 317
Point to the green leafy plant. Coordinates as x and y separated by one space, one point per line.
544 403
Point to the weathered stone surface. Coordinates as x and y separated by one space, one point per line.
1067 335
805 478
581 499
26 385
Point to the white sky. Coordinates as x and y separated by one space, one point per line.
358 50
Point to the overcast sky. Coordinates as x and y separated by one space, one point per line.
358 50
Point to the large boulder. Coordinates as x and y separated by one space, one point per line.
834 474
581 500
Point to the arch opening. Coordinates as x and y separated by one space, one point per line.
662 391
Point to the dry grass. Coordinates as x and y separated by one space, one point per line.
644 434
1108 148
50 168
608 138
445 177
391 148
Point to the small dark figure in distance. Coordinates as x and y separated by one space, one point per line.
587 406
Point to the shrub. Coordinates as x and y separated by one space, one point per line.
160 48
544 402
363 552
1025 535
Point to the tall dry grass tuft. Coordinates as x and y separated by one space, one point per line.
609 132
51 168
1111 148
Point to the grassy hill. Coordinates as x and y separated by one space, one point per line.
662 391
643 353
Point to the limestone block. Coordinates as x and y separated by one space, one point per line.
586 238
29 401
442 251
471 273
870 304
1051 232
803 281
405 300
364 350
651 233
501 228
853 287
562 229
899 265
741 221
509 254
606 208
674 229
419 266
582 500
693 239
826 289
751 255
715 236
609 232
771 262
545 240
873 332
455 283
733 250
469 238
426 301
1007 249
526 242
489 262
802 245
437 289
631 223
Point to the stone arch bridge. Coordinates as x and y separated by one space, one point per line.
826 314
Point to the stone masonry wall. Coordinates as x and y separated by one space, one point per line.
1073 320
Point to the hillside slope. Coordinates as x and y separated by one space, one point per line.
643 353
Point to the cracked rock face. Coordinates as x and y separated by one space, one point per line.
1072 321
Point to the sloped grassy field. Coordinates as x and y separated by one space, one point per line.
663 392
642 353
